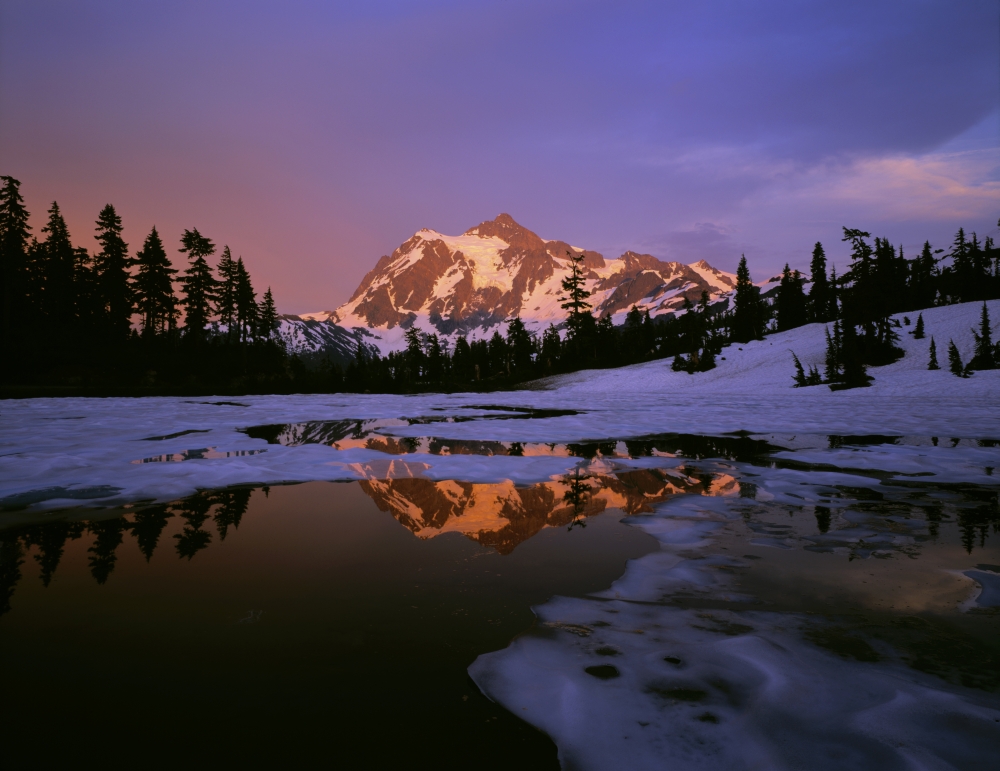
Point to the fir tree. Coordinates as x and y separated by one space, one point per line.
855 373
111 269
933 363
268 316
832 361
955 360
154 288
923 279
199 285
521 347
791 301
246 303
748 317
225 304
820 294
414 353
800 374
575 299
984 356
551 349
14 233
461 363
57 262
918 331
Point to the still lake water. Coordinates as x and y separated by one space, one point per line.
318 628
318 622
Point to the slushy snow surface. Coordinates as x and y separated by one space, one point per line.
691 688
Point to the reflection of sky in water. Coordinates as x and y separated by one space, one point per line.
845 564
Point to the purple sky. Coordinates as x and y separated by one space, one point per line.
315 137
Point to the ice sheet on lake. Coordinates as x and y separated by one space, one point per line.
632 678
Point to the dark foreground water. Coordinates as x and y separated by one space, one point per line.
301 627
334 623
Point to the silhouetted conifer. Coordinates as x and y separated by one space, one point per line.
199 285
225 305
820 294
748 312
154 287
111 269
918 331
268 316
933 363
984 356
800 373
14 234
955 360
791 301
575 299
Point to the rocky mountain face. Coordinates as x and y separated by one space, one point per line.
470 284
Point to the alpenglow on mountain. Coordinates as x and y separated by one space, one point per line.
472 283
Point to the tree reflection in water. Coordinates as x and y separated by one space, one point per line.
498 515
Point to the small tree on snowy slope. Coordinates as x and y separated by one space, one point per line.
955 360
918 331
985 356
933 363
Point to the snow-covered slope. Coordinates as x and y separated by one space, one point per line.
766 367
305 334
470 284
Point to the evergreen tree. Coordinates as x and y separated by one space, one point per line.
461 363
748 313
791 301
923 279
551 349
955 360
89 308
199 286
800 373
984 356
246 303
855 373
154 288
435 359
918 331
268 316
575 299
832 360
820 294
56 263
14 232
225 304
111 270
521 347
933 363
414 353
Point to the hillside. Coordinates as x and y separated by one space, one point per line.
765 367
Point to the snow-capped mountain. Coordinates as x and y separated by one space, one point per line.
472 283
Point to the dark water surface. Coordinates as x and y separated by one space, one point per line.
306 626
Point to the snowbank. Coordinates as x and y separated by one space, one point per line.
765 366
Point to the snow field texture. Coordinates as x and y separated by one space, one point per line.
623 680
84 450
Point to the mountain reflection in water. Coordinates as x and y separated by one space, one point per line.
499 516
503 515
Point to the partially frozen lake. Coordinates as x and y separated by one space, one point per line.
653 580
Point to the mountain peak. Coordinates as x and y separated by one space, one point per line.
506 228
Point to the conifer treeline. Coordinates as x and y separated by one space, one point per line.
65 317
66 314
879 282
